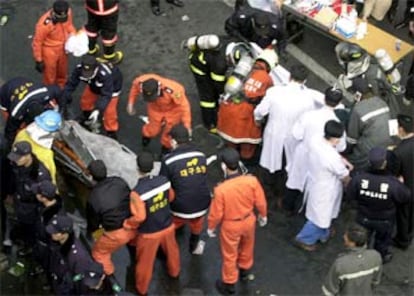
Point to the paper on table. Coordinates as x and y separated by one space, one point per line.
361 30
393 127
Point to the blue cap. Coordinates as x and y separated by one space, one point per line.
377 156
60 223
49 120
46 188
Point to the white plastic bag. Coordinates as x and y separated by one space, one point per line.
77 44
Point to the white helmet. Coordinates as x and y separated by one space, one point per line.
235 51
270 57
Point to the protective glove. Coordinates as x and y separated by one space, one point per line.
145 141
211 232
144 119
93 118
40 67
262 221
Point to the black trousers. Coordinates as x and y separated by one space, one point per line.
106 25
41 252
405 224
273 185
208 100
382 231
290 199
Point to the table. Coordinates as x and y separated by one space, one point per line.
373 40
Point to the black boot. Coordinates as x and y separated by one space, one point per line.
156 10
245 275
177 3
112 135
110 55
196 245
94 51
194 238
116 287
225 289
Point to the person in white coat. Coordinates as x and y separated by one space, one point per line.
309 125
283 105
323 192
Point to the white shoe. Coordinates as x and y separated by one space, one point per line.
7 243
199 250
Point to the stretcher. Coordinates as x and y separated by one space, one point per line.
75 147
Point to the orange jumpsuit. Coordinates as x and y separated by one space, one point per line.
151 213
235 122
232 206
108 243
171 108
49 47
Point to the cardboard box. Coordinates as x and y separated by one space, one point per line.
326 16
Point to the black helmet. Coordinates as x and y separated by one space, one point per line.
350 51
352 58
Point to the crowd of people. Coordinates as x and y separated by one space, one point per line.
311 151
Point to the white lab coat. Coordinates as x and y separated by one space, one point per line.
284 105
323 192
311 124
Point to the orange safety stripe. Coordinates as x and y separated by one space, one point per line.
101 11
89 33
110 41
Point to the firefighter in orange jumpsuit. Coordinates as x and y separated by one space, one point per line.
233 206
150 211
52 31
103 20
107 208
167 106
235 122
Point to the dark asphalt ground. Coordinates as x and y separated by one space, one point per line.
151 44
